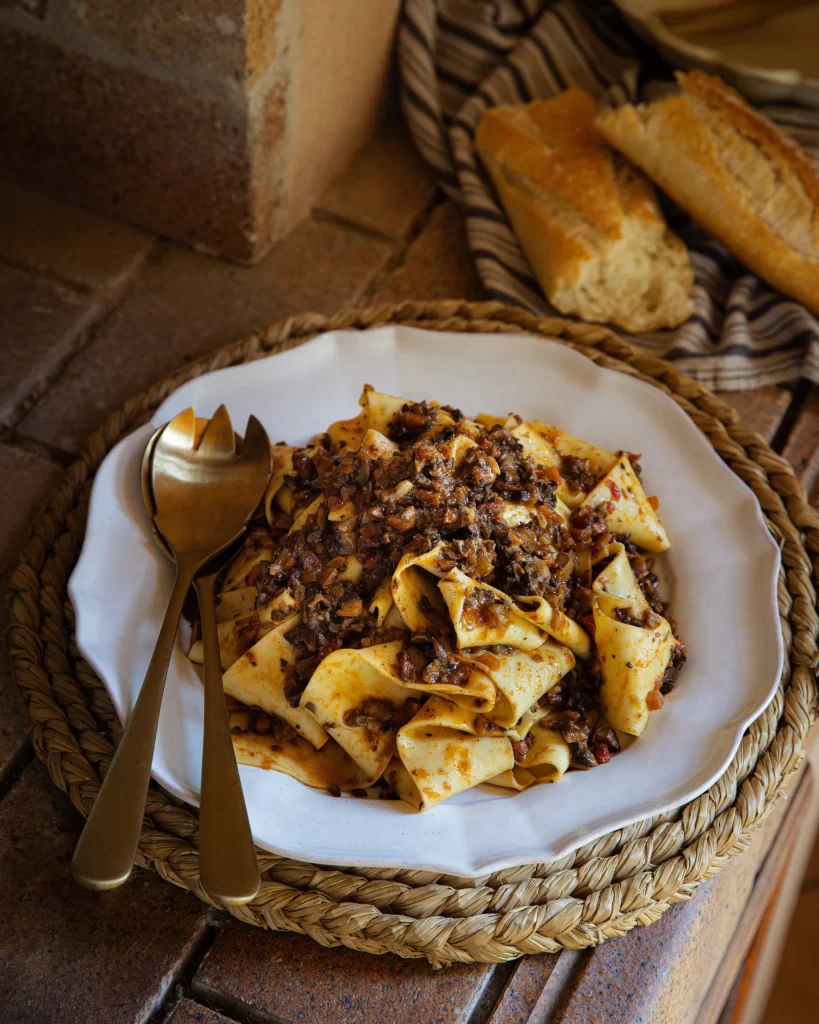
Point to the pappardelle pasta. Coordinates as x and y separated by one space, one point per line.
428 602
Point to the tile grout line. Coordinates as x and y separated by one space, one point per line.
17 765
396 261
104 303
322 216
492 993
33 446
232 1007
179 986
83 290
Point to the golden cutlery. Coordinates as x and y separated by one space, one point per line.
228 869
203 496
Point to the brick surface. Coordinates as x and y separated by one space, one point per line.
386 187
662 973
37 8
261 48
153 151
39 326
761 410
65 242
205 34
187 305
438 264
518 1003
69 955
189 1012
289 979
13 741
28 478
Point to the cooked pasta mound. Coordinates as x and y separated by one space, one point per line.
426 602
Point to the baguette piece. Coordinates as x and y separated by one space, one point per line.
735 172
588 222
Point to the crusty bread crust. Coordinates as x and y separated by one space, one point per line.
735 172
589 225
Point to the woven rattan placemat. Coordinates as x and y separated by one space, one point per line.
626 878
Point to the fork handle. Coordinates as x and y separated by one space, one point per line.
107 848
228 868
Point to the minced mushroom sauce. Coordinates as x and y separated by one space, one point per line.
409 501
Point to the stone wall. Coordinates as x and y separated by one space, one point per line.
214 122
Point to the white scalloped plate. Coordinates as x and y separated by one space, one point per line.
772 63
720 575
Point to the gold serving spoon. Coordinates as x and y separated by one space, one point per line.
228 869
203 496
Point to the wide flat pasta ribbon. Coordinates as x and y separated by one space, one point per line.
257 548
522 677
633 659
239 634
631 513
233 603
415 591
546 760
354 702
285 751
258 680
547 446
378 411
306 513
282 466
523 627
444 750
478 693
484 616
556 624
567 446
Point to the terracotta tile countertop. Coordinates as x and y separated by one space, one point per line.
92 312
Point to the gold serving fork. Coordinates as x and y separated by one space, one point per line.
200 492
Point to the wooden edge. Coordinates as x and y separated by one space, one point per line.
749 933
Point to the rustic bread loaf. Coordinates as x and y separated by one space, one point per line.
735 172
588 222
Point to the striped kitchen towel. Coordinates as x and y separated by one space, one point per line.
458 57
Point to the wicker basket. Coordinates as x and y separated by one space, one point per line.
624 879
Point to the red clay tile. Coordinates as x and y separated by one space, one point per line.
40 323
661 973
68 956
438 264
290 979
65 242
762 409
189 1012
12 738
187 305
386 187
523 990
28 478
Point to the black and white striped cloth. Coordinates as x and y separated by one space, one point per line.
459 57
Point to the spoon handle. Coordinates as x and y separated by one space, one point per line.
107 848
228 868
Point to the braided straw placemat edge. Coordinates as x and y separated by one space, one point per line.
627 878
